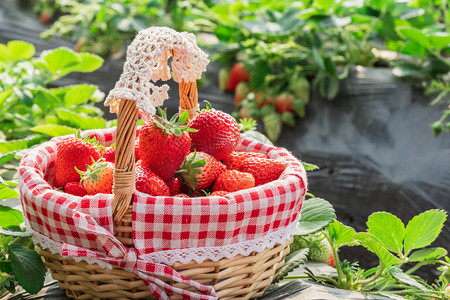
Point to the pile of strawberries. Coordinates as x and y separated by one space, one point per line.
173 158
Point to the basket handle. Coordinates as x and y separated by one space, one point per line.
125 173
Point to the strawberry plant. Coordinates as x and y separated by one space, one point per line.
401 251
19 263
33 110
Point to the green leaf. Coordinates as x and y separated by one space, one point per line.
272 126
57 60
341 235
371 243
398 274
293 261
316 214
427 254
27 267
20 50
318 60
388 229
309 167
5 266
414 34
46 100
9 217
423 229
4 158
77 120
261 69
54 129
12 145
440 40
88 63
4 95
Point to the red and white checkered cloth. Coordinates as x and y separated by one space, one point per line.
83 225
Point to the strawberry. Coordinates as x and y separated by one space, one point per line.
235 159
75 188
300 87
217 133
283 103
237 74
164 144
136 150
73 152
199 170
232 180
224 75
242 90
262 99
109 154
174 185
98 177
263 169
219 193
181 195
150 183
319 248
46 14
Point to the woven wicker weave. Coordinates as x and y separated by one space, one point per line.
242 277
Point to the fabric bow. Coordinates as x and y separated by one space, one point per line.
128 259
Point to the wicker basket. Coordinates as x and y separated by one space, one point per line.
241 277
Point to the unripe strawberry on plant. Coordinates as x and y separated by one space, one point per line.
237 74
75 188
235 159
217 133
264 170
300 88
163 144
224 75
242 90
321 251
74 152
150 183
199 170
232 180
98 177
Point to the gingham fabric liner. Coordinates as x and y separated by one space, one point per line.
159 223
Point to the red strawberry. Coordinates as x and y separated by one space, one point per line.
109 154
283 103
232 180
164 144
137 156
217 133
98 177
235 159
73 152
237 74
242 90
263 169
219 193
174 185
181 195
46 14
319 248
75 188
150 183
224 75
199 170
262 99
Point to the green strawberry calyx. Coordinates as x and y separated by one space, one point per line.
89 139
176 125
190 168
94 170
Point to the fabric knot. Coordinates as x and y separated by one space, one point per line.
129 260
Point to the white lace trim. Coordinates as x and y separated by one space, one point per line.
147 62
184 256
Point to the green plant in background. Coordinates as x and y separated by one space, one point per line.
105 27
400 249
286 45
31 110
19 262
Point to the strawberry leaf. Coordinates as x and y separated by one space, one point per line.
372 244
341 235
388 229
27 267
10 217
316 214
423 229
292 262
427 254
398 274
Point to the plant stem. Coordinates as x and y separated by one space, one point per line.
416 267
331 280
372 278
339 271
